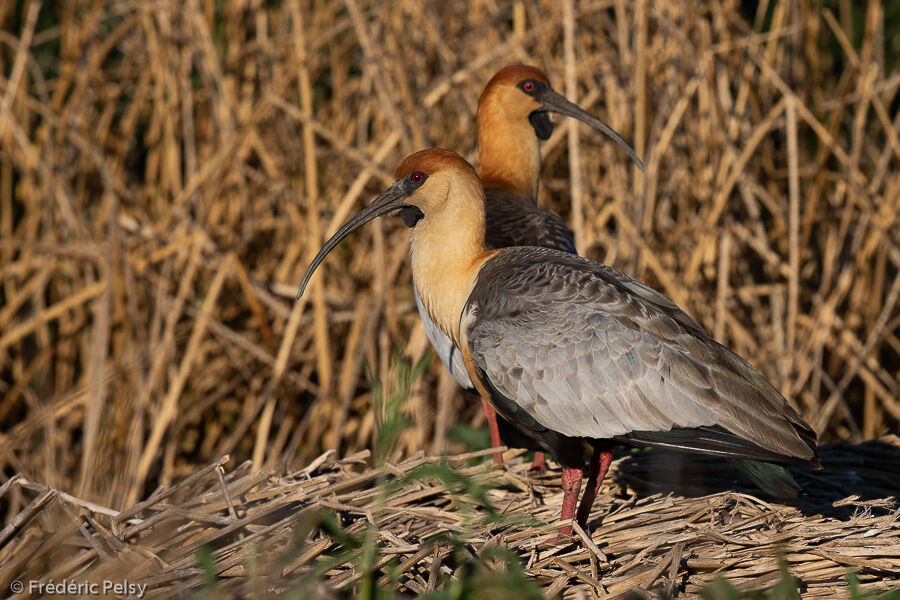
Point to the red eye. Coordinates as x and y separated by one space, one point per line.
418 177
528 86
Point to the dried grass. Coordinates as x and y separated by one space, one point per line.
167 170
260 526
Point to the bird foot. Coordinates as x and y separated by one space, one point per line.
539 465
564 536
491 416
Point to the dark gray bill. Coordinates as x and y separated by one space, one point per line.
558 104
389 201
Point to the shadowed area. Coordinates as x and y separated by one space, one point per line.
867 471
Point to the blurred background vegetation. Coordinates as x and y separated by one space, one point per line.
167 170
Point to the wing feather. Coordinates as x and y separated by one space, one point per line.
588 352
515 220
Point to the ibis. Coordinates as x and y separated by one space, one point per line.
573 353
512 119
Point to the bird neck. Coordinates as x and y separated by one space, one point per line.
446 253
509 153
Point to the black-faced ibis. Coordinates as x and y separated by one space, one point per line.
512 120
571 352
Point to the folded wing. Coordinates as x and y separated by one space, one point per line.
588 352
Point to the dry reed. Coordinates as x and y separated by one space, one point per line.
648 533
167 170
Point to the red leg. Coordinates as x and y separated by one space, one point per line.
540 463
495 431
600 462
571 485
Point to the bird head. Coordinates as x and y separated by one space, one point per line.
422 190
518 93
509 95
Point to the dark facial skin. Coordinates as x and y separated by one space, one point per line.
543 126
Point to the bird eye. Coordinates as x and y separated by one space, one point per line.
528 86
418 177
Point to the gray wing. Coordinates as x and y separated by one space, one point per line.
443 345
589 352
515 220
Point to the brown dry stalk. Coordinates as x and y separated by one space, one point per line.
168 169
674 532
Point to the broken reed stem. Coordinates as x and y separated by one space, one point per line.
793 236
99 346
723 290
640 89
263 528
169 409
311 195
576 188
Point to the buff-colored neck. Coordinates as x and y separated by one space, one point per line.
509 154
447 251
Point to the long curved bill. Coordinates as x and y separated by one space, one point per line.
389 201
556 103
